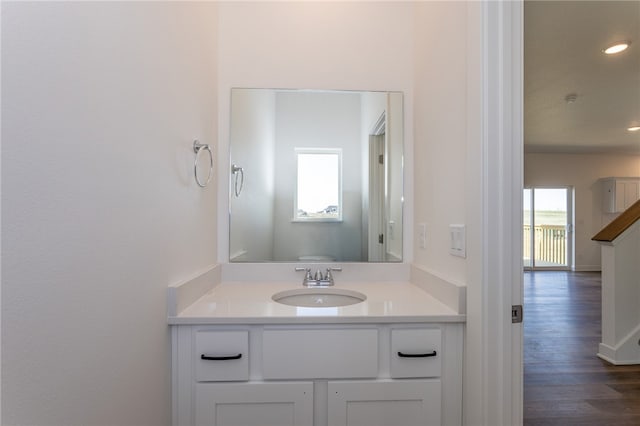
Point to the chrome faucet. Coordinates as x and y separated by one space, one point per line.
318 279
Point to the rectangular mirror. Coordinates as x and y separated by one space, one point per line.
316 176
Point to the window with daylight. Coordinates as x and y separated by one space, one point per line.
318 194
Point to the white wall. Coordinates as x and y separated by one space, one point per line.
314 45
581 171
317 120
253 132
440 133
447 172
100 211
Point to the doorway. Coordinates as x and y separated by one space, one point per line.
547 228
377 217
377 191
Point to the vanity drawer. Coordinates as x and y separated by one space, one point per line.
222 356
416 353
320 354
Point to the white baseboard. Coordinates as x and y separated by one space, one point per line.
607 353
625 352
587 268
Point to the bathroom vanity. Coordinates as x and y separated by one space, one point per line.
240 358
374 349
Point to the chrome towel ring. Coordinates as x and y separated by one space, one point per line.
198 148
237 170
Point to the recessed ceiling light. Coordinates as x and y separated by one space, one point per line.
617 47
633 128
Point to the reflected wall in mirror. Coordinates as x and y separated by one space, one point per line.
316 176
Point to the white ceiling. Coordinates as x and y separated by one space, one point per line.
563 42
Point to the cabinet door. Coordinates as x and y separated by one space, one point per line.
619 194
385 403
631 193
254 404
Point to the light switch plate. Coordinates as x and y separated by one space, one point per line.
422 235
458 243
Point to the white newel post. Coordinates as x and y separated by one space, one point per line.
621 298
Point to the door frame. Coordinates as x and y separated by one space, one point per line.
376 211
501 347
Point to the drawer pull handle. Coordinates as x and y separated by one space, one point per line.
403 355
220 358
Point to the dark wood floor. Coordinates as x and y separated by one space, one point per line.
565 383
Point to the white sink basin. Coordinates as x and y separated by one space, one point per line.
319 297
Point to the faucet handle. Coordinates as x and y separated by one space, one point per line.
329 276
307 275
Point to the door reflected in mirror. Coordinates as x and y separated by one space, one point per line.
322 176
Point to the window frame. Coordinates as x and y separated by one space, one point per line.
336 151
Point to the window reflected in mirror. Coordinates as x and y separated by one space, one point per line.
318 185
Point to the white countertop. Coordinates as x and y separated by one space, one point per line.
251 303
